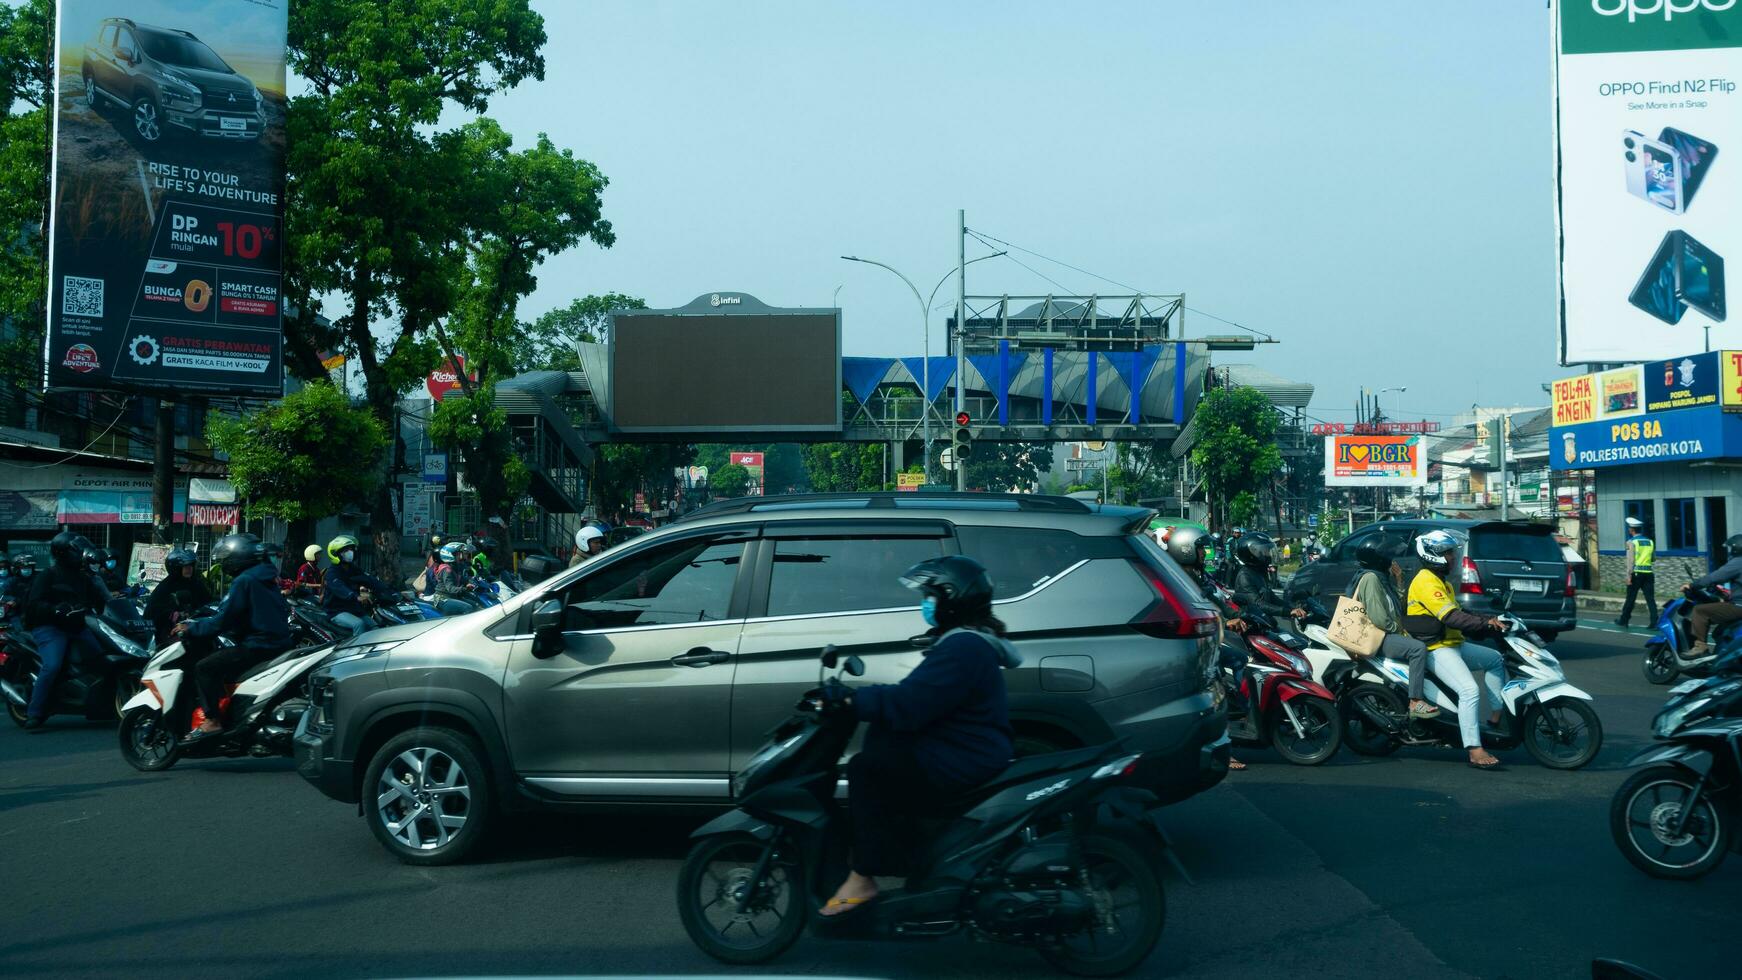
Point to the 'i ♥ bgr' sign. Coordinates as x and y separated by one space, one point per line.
1374 461
445 379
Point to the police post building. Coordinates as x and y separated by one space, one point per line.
1664 440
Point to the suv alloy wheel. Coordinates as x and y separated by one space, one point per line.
426 795
145 119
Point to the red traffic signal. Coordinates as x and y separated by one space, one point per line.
962 418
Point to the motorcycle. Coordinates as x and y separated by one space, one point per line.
264 706
1026 859
1289 711
94 684
1551 718
1674 636
1677 817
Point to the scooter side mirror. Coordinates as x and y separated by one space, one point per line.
831 656
855 667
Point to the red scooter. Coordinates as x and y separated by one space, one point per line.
1289 711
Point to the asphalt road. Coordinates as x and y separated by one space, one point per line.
1410 865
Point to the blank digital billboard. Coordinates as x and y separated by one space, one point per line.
726 372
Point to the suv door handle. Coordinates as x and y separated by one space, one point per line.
701 657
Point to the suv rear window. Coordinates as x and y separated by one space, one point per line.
1512 545
1020 558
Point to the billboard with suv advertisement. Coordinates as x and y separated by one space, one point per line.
167 196
1648 162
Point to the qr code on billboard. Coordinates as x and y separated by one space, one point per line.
81 297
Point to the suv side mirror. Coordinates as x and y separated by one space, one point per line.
547 629
126 54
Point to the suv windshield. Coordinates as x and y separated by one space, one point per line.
184 52
1513 545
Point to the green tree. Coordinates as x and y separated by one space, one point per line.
408 223
1235 451
290 460
1004 467
548 343
623 469
1142 470
25 80
843 467
730 480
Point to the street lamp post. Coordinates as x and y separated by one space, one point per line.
925 327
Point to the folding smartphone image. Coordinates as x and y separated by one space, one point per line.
1700 276
1654 170
1655 291
1695 156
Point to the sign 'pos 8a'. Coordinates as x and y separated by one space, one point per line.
1648 153
167 197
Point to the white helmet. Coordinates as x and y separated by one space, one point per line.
1635 522
1435 550
585 535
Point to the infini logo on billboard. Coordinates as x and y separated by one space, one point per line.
1635 9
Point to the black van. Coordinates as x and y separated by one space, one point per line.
1503 566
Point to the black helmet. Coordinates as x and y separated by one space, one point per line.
1371 555
24 562
1254 549
1733 545
1186 545
177 560
68 549
960 585
236 553
93 557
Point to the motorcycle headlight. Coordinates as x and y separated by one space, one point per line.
1298 662
745 777
1670 719
124 644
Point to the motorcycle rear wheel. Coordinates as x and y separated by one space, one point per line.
25 679
1124 879
1562 734
1659 664
1323 732
707 903
146 742
1360 734
1645 808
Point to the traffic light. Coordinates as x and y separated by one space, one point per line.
962 441
963 420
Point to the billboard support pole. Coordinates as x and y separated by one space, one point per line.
163 473
961 320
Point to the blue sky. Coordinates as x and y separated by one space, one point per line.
1371 182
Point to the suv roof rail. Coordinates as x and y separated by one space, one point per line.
887 499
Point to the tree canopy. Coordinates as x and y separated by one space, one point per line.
1235 451
292 459
548 343
24 86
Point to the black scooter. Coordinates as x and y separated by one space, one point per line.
93 684
1030 858
1676 818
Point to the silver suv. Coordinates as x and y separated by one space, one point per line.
651 673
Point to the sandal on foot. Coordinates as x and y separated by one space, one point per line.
1491 766
842 906
1235 765
1424 710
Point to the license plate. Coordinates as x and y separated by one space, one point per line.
1684 687
1534 586
232 122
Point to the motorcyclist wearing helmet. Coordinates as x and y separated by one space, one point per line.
452 581
177 596
348 592
589 541
253 615
1707 613
941 731
1188 546
21 574
1253 553
1374 591
308 574
54 612
1433 616
109 569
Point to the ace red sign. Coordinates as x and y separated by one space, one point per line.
747 460
445 380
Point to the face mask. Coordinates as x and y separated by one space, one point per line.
348 555
928 607
24 573
109 564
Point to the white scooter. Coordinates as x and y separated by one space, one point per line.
263 708
1551 718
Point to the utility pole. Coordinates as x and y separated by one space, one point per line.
163 473
1504 435
961 322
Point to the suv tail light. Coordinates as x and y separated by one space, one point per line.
1469 580
1170 615
1572 587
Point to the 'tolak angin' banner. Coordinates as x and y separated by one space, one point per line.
168 196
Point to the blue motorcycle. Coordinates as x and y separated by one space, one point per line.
1666 649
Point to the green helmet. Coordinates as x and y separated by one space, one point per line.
337 546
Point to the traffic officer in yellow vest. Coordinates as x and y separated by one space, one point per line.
1640 553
